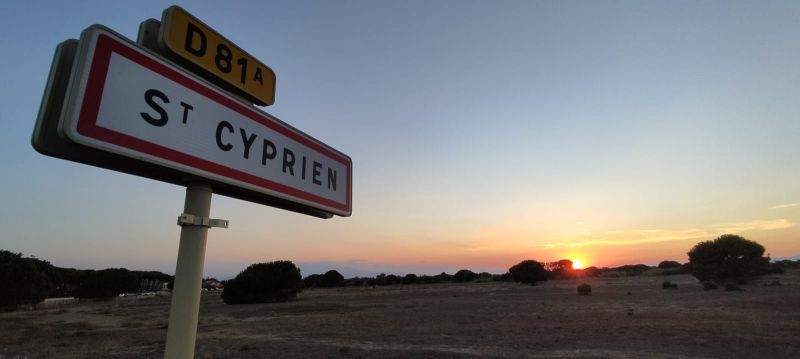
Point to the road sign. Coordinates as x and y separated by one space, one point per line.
192 40
126 102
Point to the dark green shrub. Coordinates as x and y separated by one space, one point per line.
331 278
312 281
22 280
632 270
584 289
727 258
410 279
381 279
484 277
788 264
669 264
354 282
108 283
464 275
263 282
774 268
528 271
442 278
393 279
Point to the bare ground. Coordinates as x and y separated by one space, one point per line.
491 319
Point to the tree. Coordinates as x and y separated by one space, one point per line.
108 283
22 279
263 282
331 278
729 257
464 275
561 269
528 271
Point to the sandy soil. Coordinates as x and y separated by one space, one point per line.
450 320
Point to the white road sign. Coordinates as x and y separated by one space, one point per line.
124 100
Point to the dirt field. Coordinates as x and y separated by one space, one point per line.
448 320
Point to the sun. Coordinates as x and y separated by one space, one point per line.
576 264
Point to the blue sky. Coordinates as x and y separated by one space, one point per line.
482 133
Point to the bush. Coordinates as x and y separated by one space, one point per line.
354 282
484 277
22 279
464 275
331 278
669 264
584 289
264 282
528 271
410 279
632 270
788 264
774 268
669 285
312 281
727 258
442 278
108 283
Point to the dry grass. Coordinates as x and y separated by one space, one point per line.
623 318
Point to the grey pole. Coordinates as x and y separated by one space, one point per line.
185 306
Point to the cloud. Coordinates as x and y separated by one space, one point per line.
788 205
640 236
761 225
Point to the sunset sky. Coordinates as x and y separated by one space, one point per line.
482 133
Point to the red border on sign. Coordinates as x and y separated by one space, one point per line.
87 124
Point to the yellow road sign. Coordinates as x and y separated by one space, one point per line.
194 41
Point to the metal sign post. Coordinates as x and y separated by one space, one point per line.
185 306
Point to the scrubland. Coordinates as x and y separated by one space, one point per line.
626 317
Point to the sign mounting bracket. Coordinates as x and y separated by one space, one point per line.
186 219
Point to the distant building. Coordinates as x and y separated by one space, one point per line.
152 285
212 284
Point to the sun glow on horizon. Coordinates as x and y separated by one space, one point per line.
576 264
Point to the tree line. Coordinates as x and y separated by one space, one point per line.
726 258
29 280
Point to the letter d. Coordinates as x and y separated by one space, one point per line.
191 30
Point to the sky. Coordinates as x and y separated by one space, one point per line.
482 133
